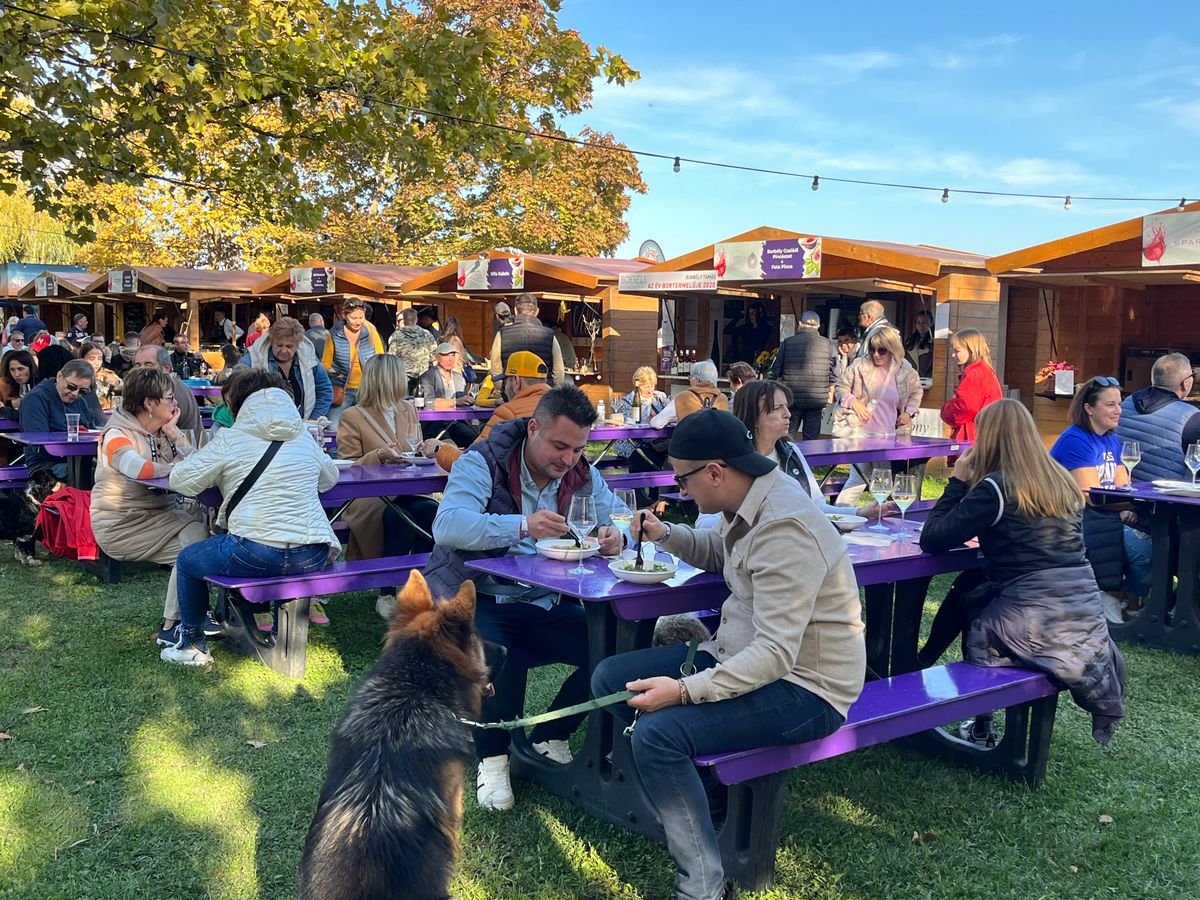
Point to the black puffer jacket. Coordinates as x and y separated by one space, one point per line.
803 365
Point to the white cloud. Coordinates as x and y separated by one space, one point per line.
1032 173
843 67
718 90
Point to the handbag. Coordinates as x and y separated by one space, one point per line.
339 395
248 482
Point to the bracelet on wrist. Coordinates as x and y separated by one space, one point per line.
684 697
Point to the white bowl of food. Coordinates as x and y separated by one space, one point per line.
846 522
343 463
418 459
564 549
653 571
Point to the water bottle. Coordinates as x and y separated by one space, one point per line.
601 413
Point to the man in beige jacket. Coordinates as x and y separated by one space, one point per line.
788 658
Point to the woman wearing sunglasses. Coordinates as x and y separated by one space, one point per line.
1089 449
45 408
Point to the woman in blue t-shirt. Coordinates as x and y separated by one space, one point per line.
1090 450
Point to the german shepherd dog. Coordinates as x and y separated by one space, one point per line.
388 819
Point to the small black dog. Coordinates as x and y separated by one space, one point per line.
19 511
388 818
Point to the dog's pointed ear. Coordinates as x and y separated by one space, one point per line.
463 605
412 600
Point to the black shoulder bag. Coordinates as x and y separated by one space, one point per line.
249 480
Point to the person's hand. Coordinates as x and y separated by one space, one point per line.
465 401
647 526
611 542
861 410
171 426
1128 516
545 523
653 693
430 448
904 420
393 455
964 468
871 510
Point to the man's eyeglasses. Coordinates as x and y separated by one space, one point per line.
681 480
81 389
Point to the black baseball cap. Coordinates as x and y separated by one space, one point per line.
716 434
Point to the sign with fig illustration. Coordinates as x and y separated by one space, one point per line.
1171 239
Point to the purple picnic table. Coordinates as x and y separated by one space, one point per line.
10 425
621 617
458 414
205 390
1171 616
78 454
834 451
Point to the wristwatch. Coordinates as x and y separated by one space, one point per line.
523 528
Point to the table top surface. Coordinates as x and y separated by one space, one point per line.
357 481
459 414
827 451
1145 490
205 390
53 438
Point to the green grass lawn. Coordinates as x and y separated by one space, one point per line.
138 779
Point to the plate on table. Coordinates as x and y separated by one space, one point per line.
655 571
418 460
1168 484
343 463
564 549
845 522
1181 491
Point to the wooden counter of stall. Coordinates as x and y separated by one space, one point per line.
609 333
1108 301
713 301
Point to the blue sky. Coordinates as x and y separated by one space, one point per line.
1080 98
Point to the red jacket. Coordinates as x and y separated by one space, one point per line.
978 387
64 524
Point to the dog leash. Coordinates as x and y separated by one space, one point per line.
688 668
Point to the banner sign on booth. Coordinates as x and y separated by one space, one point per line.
46 286
704 280
122 281
318 280
1172 239
483 274
789 259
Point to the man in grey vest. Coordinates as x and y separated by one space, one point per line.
504 495
526 333
1158 419
802 363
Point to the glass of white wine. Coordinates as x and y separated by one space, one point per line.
904 492
581 519
623 509
1193 460
1131 455
881 489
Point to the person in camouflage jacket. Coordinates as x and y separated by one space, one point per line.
414 345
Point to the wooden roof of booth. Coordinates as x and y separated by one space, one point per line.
180 284
843 259
1112 251
543 273
75 283
376 279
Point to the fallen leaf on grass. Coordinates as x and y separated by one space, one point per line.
34 709
257 745
5 736
1106 819
923 837
20 767
1074 870
89 782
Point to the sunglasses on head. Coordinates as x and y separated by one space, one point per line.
1106 381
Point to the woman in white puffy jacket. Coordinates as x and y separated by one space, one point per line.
278 527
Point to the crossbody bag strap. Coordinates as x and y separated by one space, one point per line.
374 423
249 480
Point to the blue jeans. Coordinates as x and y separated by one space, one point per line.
228 554
665 741
1139 553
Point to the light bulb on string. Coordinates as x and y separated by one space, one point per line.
675 168
528 139
366 105
1067 202
1182 203
945 195
191 61
816 182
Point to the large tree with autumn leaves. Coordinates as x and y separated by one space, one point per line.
252 133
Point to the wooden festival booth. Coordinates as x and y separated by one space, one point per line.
59 296
1107 301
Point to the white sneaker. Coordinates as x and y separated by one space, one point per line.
1112 608
494 788
188 652
558 751
385 605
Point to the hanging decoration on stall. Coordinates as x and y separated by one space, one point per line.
652 251
122 281
318 280
1171 239
788 259
481 274
46 286
701 280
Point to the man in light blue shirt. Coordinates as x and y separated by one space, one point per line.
505 494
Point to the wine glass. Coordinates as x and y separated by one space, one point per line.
1131 455
1193 460
581 519
881 488
622 514
904 492
414 436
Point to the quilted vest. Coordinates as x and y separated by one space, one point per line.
527 333
1161 435
341 350
805 367
447 568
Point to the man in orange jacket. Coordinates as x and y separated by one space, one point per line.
524 384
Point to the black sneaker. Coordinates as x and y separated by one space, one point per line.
192 649
168 637
212 628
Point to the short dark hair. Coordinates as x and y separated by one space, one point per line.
78 317
353 303
565 400
757 397
847 331
742 373
1086 396
144 384
245 382
30 311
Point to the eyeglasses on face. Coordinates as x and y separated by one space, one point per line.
881 350
681 480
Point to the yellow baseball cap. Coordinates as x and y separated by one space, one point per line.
524 364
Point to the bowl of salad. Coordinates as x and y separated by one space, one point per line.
653 571
564 548
846 522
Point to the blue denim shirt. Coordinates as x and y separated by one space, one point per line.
462 524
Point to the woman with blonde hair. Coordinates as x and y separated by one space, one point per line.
1039 606
977 383
379 430
260 327
288 351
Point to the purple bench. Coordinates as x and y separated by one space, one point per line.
285 649
903 706
13 478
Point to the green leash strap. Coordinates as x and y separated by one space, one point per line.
688 668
